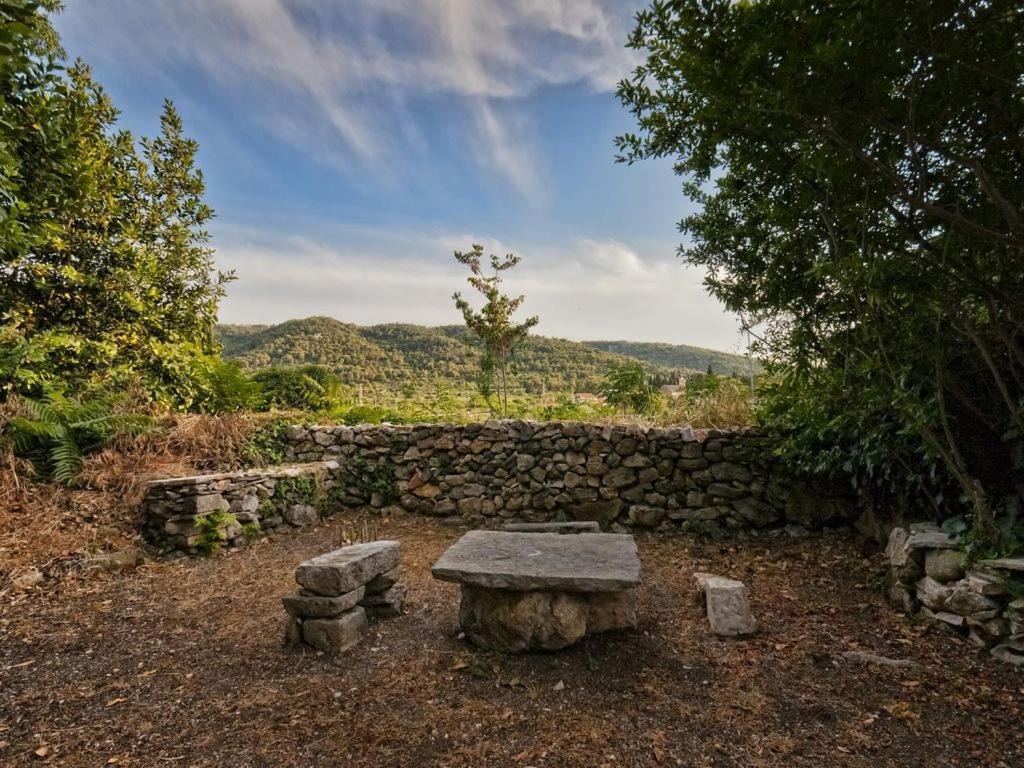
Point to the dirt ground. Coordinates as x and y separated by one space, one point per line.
181 664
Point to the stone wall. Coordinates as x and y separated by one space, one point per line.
928 573
710 482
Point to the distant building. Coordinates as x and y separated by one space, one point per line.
674 390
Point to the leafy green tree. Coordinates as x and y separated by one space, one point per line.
104 265
860 176
626 386
493 325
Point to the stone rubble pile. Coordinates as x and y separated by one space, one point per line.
726 604
927 573
338 590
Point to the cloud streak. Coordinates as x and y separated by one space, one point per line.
334 78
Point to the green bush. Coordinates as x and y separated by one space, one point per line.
305 388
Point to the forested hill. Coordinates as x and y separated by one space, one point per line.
678 356
399 353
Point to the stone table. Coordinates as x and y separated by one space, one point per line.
541 591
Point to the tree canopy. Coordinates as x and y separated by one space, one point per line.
858 168
105 272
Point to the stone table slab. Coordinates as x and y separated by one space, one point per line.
584 562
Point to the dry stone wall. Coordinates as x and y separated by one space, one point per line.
625 478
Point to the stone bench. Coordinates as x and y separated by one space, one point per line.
541 591
337 592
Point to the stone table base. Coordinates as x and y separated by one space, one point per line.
512 621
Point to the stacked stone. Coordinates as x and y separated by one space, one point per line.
236 503
927 572
623 477
338 590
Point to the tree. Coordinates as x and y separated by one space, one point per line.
626 386
860 176
104 269
494 327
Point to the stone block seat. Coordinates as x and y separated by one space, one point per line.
337 592
541 591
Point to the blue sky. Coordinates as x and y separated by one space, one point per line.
350 146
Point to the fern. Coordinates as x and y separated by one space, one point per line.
56 432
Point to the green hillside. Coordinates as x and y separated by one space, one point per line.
678 356
397 354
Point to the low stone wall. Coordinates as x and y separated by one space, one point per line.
709 482
622 477
202 512
928 574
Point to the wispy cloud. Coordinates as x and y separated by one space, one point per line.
334 78
586 289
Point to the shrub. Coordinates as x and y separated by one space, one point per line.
306 388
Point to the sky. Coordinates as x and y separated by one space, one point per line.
350 146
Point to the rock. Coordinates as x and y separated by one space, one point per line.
727 471
206 504
1006 563
901 598
965 601
944 564
384 581
648 517
301 514
320 607
586 562
29 580
385 604
726 603
568 526
601 511
932 593
512 621
881 661
896 550
292 630
611 610
986 583
620 477
345 569
930 540
115 562
336 635
1009 653
945 617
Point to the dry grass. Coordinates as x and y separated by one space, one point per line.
49 527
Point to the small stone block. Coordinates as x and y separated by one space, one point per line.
345 569
727 605
384 581
337 635
385 604
320 607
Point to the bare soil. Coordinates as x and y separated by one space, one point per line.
180 663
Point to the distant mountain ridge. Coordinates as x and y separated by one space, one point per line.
397 354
